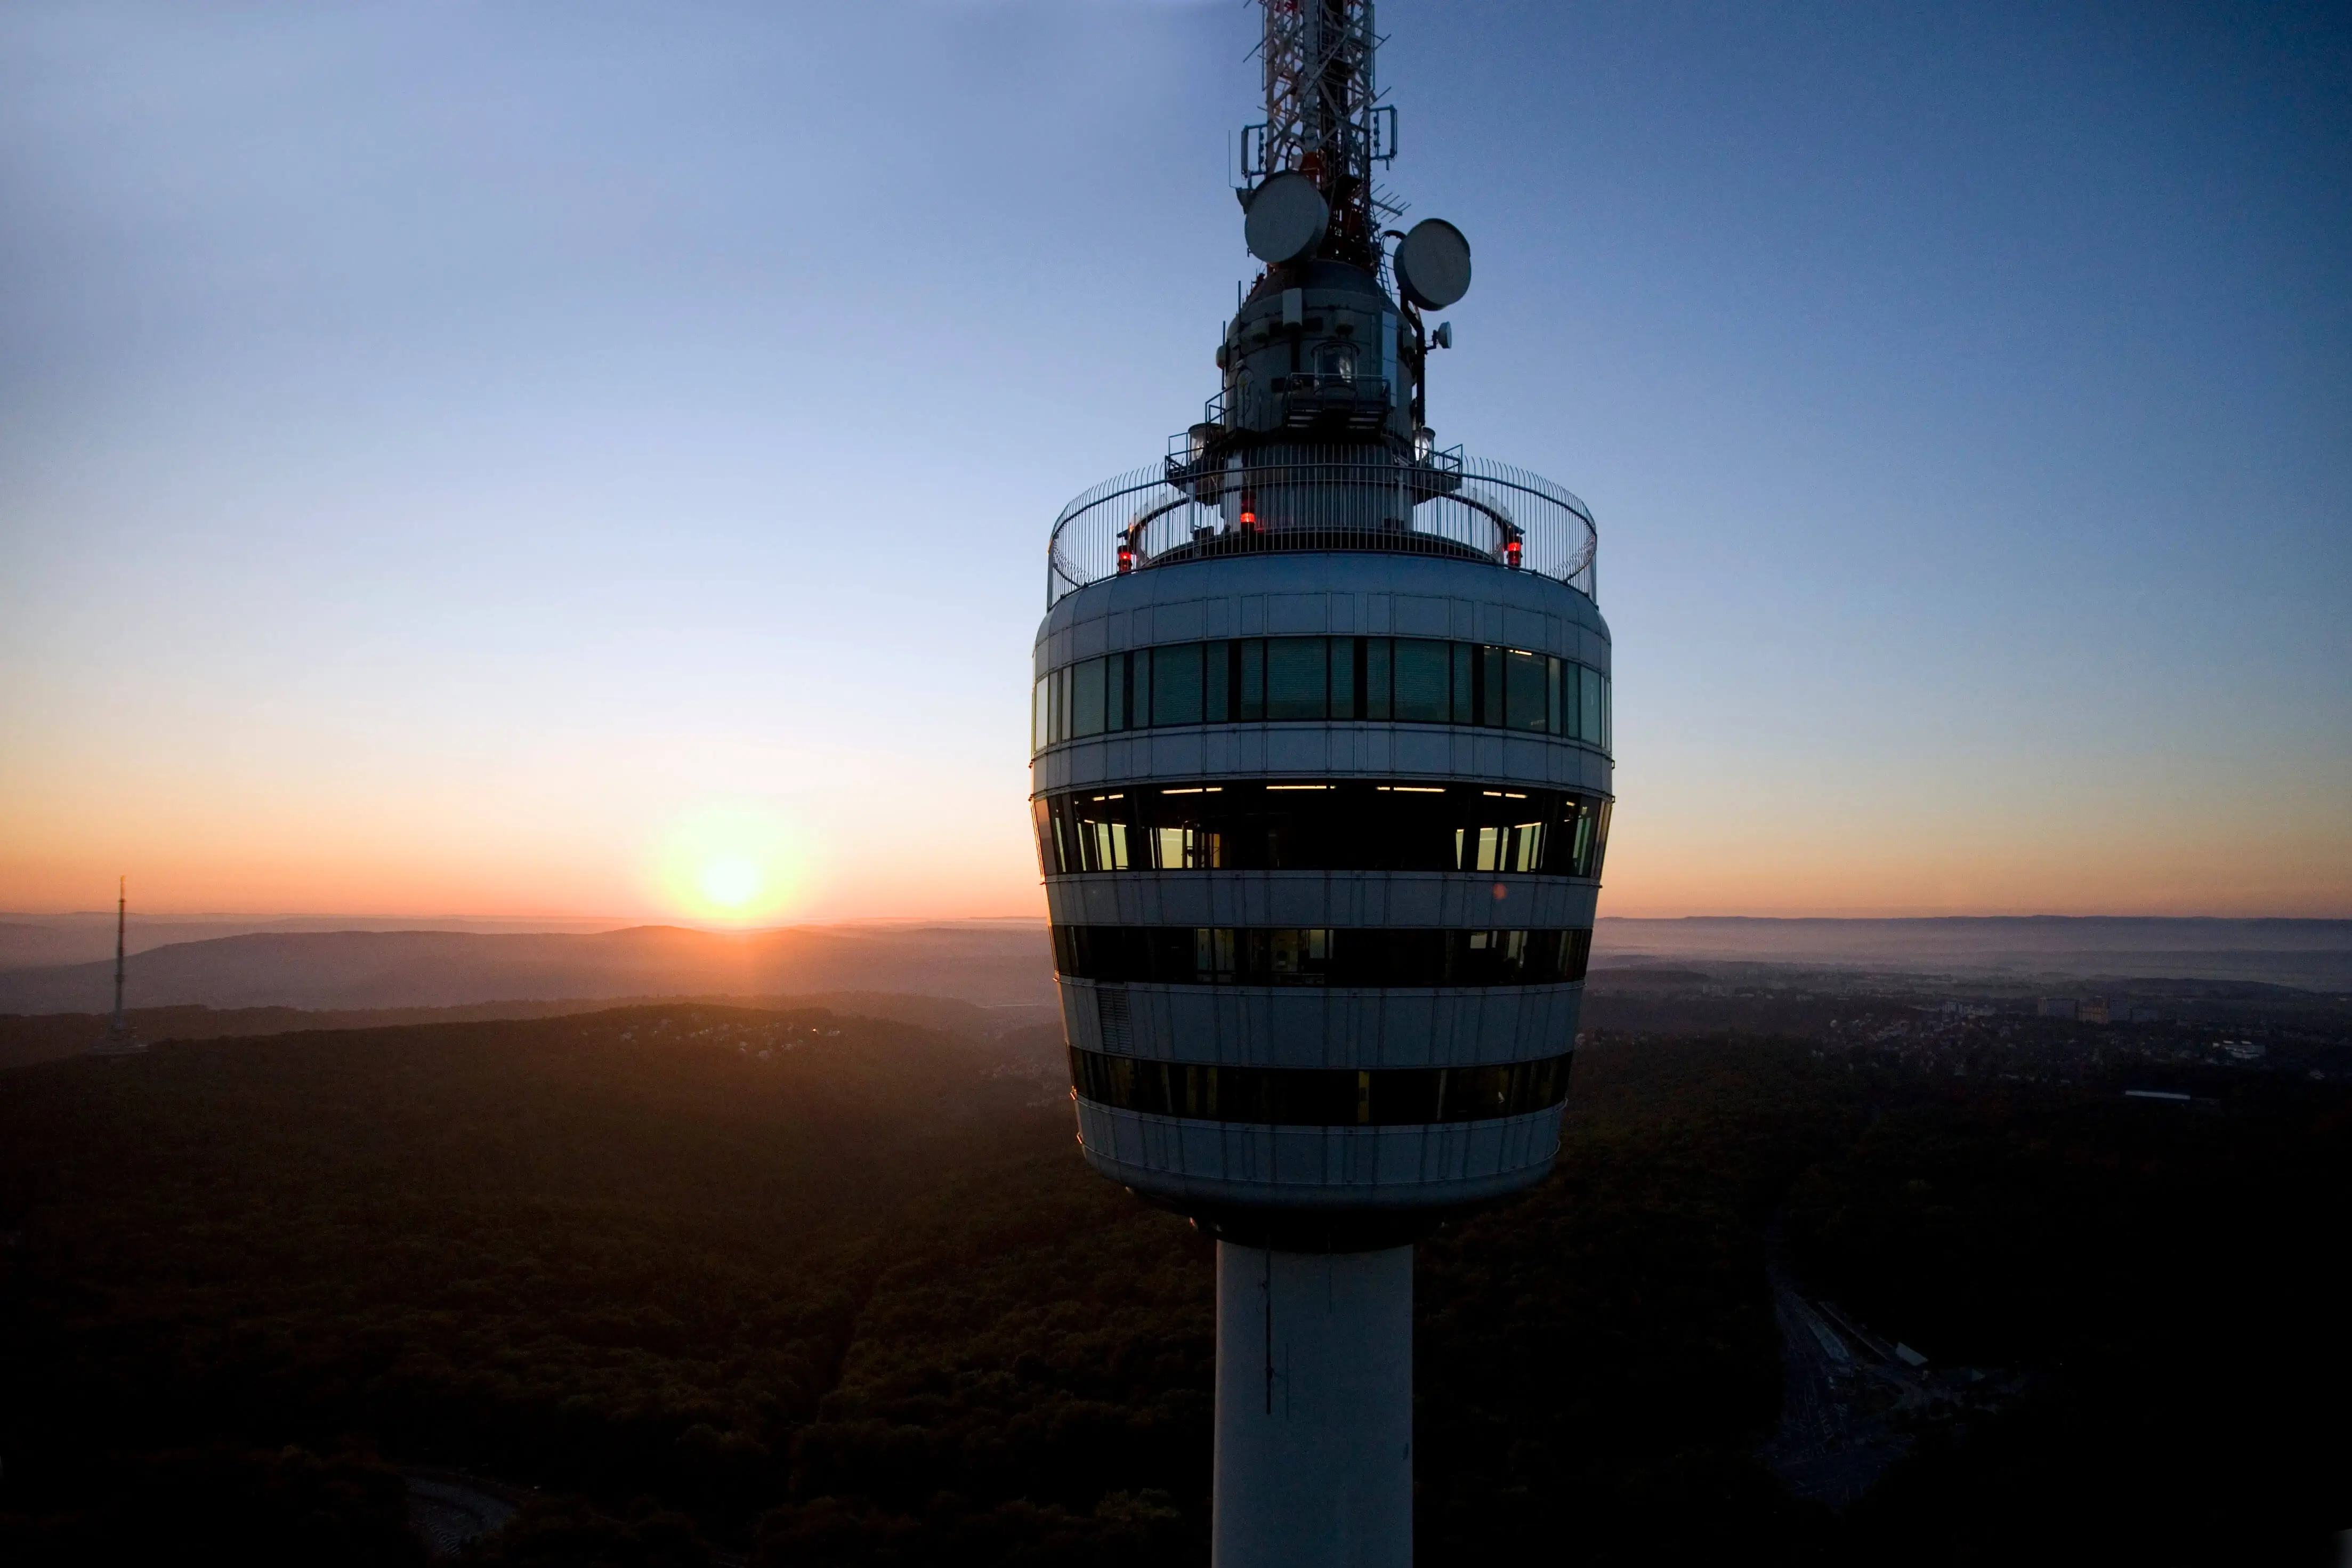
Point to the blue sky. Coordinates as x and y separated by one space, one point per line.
461 459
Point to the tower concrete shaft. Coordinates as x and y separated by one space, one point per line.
1314 1456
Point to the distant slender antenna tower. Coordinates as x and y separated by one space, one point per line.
119 1038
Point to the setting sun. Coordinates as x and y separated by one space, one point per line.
731 863
731 882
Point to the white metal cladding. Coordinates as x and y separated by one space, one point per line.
1323 595
1451 901
1327 1027
1242 1163
1329 749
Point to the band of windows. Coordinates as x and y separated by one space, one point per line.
1344 955
1240 680
1348 825
1320 1096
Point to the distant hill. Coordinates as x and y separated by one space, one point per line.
988 963
1013 1029
86 936
1007 964
2313 954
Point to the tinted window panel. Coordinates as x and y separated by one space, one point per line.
1320 1096
1293 956
1302 680
1342 826
1176 684
1249 695
1525 694
1042 813
1376 657
1087 697
1297 680
1423 681
1345 652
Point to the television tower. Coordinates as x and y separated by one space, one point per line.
120 1041
1321 783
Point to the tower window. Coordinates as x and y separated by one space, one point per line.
1313 1097
1336 362
1409 680
1351 825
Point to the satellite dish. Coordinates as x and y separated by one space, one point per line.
1433 264
1288 217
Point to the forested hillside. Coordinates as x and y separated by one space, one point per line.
795 1288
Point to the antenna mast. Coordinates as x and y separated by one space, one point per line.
1324 118
117 1033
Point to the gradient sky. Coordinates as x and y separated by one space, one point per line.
496 459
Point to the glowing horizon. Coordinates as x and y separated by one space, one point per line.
513 500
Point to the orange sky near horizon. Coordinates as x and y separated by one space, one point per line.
304 847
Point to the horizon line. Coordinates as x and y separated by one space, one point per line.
724 928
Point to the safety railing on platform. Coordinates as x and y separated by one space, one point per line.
1193 508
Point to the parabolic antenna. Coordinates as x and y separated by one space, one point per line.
1287 216
1433 264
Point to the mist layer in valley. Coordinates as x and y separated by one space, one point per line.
1007 963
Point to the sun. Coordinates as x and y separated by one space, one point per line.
730 863
731 882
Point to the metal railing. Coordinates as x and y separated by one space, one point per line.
1303 499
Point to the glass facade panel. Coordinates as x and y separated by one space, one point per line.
1298 684
1423 681
1346 653
1176 684
1525 695
1351 825
1377 658
1086 699
1293 680
1249 688
1320 1096
1373 958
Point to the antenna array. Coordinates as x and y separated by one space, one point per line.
1324 117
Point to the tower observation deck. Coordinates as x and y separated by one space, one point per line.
1321 740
